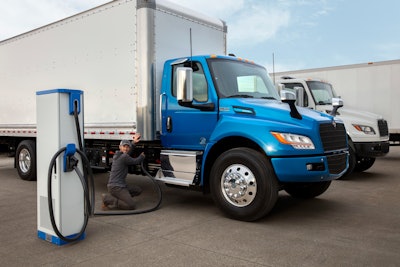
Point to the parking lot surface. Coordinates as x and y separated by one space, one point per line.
355 223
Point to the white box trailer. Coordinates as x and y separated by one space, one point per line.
369 86
114 53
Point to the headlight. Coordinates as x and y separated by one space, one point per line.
295 140
363 128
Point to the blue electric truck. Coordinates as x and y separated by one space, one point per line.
208 121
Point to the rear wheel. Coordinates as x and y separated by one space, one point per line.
306 190
243 184
26 160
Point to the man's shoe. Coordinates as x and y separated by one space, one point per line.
104 207
135 190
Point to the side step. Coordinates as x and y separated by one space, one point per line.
180 167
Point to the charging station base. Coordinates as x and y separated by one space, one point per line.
56 240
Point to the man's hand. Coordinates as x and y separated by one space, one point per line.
136 138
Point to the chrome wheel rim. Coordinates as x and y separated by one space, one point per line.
238 185
24 160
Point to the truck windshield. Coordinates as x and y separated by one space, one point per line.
240 79
322 92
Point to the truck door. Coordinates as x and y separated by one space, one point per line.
188 127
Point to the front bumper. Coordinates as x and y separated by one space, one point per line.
311 169
372 149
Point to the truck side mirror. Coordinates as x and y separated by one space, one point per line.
287 95
184 85
300 95
336 103
185 90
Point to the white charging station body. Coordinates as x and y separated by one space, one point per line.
56 128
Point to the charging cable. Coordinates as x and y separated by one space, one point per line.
87 210
156 186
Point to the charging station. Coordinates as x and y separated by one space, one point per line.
58 166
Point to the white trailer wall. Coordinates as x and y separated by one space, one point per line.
87 51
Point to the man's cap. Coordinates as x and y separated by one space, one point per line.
125 142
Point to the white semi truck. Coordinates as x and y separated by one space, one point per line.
371 86
367 132
208 121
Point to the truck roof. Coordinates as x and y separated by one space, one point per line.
161 4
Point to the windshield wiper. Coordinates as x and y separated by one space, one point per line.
268 97
324 103
240 96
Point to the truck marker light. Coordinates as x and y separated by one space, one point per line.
295 140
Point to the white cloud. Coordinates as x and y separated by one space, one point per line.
256 25
216 8
249 22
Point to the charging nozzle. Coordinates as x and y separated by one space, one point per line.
70 161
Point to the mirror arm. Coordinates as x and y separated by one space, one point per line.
294 113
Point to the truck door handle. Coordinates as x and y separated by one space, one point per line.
169 124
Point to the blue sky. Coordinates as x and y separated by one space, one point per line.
301 34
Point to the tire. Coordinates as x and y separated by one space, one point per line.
363 164
306 190
25 159
243 184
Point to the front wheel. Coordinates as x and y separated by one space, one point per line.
306 190
26 160
243 184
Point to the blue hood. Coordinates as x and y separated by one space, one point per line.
274 111
255 119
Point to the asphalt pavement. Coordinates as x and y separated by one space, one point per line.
355 223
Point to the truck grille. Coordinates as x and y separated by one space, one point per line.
383 128
333 136
337 163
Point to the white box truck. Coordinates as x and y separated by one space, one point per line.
208 121
368 132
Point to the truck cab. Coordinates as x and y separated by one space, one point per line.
367 132
225 129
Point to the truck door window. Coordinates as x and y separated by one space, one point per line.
200 88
